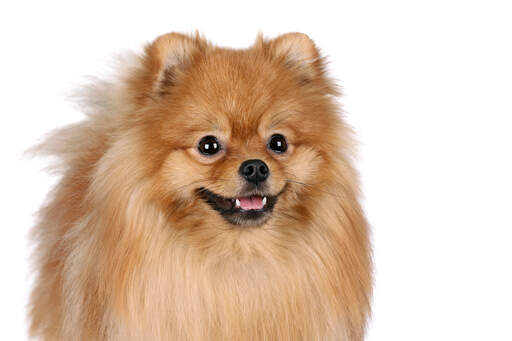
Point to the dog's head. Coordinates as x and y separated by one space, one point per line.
237 134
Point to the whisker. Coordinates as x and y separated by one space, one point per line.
310 186
313 187
202 180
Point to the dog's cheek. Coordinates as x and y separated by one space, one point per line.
278 176
228 182
304 164
180 176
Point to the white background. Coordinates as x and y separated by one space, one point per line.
427 88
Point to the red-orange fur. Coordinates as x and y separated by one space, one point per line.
126 250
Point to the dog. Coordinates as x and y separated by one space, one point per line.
210 194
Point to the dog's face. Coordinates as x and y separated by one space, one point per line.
239 133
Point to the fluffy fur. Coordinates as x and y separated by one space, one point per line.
128 250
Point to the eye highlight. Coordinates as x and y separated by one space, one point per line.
209 145
277 143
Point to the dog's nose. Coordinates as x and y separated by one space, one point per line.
254 171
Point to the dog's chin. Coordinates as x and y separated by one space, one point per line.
248 209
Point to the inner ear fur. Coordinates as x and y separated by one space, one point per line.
297 52
166 57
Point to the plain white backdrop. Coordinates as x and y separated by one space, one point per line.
427 87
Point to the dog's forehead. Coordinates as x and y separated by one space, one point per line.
236 89
236 79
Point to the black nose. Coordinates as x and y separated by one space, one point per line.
254 171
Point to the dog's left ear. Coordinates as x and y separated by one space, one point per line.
298 52
164 60
170 55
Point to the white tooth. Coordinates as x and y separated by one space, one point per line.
264 201
237 203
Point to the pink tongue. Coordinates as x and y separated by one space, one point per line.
251 203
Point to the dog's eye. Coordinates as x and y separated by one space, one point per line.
209 145
277 143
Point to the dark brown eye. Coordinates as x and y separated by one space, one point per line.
208 145
277 143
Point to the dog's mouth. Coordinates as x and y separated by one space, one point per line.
249 209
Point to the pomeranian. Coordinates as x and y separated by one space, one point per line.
210 194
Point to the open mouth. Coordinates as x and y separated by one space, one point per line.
253 209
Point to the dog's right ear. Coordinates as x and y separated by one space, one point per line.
164 60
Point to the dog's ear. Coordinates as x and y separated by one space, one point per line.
298 52
167 57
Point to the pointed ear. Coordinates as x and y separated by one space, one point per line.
299 53
166 57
